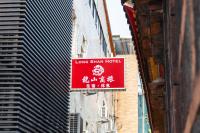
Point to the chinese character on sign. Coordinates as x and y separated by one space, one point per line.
93 85
110 78
103 86
102 79
94 79
107 85
85 79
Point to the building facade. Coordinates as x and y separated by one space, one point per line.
126 102
123 46
143 118
126 106
130 106
91 39
35 41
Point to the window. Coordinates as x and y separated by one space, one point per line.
90 3
104 111
104 46
98 26
82 48
96 18
93 9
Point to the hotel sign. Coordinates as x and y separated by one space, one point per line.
97 74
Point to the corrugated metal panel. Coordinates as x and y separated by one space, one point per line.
35 43
10 64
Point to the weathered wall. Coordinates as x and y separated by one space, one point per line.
87 44
182 63
126 106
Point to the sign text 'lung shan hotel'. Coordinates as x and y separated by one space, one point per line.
97 74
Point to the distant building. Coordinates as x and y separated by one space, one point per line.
130 107
126 102
35 41
123 46
92 39
143 118
126 106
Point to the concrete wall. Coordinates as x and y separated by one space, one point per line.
86 43
85 32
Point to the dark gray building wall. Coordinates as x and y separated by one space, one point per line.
35 45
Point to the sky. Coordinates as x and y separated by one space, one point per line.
117 18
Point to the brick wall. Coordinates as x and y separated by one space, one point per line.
126 106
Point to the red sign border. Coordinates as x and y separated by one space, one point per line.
96 89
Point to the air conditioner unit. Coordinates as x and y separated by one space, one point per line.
76 123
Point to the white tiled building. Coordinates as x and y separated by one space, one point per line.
91 39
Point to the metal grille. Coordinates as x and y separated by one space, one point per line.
35 42
11 53
76 123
